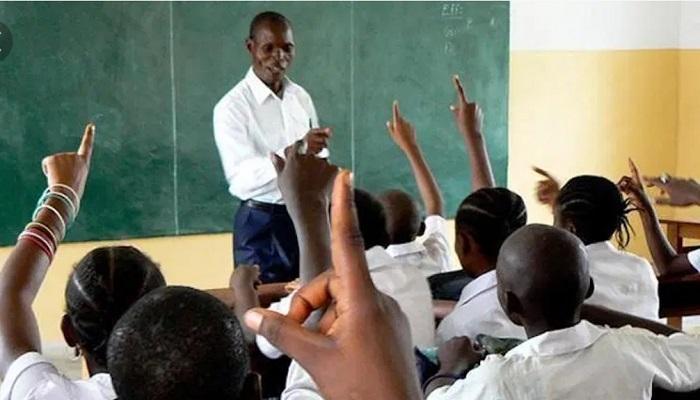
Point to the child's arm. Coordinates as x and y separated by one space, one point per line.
403 134
666 260
243 283
469 120
26 267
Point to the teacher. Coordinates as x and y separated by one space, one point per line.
264 113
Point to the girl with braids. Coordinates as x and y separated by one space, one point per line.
102 287
593 208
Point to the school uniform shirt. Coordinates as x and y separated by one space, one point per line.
623 281
33 377
584 362
478 311
429 252
250 122
694 258
403 282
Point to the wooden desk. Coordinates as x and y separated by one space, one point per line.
680 296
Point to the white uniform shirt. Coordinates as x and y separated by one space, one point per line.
584 362
623 281
429 252
250 122
403 282
694 258
478 311
33 377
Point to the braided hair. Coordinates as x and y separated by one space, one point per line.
101 288
490 215
596 208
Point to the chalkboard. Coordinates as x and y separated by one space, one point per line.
150 73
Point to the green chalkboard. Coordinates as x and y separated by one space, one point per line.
149 74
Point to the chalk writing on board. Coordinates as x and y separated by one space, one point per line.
5 41
452 10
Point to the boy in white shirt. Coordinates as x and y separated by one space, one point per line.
542 281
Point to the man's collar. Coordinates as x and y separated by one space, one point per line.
378 257
479 285
562 341
260 90
398 250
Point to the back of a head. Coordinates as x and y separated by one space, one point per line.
102 286
402 216
490 215
266 17
178 343
372 219
547 269
595 208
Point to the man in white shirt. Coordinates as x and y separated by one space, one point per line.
263 114
543 279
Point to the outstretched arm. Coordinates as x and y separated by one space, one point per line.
469 120
666 260
403 134
26 267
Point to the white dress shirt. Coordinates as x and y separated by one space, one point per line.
623 281
478 311
430 252
584 362
403 282
250 122
33 377
694 258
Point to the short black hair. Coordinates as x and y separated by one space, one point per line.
178 343
101 287
596 208
489 216
402 216
372 219
266 17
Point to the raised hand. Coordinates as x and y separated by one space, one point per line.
634 189
245 276
302 177
546 189
468 116
316 139
71 169
364 329
680 192
401 130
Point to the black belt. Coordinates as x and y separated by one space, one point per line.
259 205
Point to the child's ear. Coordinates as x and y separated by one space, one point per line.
252 388
68 331
514 308
421 229
591 289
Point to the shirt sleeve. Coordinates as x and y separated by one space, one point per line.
435 241
483 382
300 385
248 171
694 258
25 374
265 347
674 360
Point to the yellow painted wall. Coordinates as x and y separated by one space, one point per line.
585 112
689 123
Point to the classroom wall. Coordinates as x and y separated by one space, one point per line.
590 85
595 83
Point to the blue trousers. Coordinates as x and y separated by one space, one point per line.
263 234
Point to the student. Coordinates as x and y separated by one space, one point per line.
543 280
403 282
362 349
102 286
430 251
593 208
666 260
179 343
